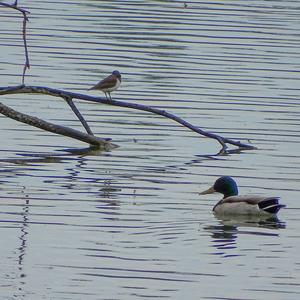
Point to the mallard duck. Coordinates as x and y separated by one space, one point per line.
233 204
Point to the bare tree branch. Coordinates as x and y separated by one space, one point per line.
62 130
64 94
25 20
79 115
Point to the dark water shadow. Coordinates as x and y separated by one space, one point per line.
28 158
213 156
217 155
74 153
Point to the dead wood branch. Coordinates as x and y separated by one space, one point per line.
69 95
79 115
62 130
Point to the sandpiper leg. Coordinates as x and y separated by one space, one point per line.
109 96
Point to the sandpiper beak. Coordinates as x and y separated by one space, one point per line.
209 191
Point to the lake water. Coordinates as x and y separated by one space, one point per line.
129 223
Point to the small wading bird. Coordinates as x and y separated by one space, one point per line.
108 84
233 204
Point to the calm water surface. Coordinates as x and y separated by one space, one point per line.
129 224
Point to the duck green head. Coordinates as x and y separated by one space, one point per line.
224 185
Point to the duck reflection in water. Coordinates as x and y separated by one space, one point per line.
225 233
228 227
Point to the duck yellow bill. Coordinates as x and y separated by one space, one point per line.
209 191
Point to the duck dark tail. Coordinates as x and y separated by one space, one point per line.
270 205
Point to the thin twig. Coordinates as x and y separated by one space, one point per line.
27 63
64 94
25 20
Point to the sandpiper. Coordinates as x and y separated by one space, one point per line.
109 84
